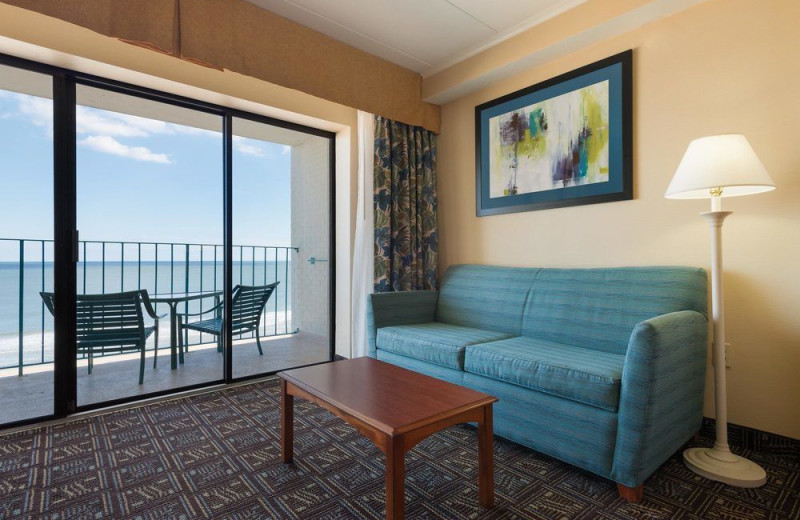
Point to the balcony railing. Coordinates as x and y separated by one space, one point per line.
26 327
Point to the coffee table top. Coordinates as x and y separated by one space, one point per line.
389 398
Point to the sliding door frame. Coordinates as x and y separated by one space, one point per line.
65 232
257 118
65 245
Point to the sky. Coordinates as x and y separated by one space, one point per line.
139 179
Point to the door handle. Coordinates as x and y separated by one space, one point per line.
314 260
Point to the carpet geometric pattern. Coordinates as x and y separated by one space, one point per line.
217 455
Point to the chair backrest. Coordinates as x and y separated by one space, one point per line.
110 321
248 304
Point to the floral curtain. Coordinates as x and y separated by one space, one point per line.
406 238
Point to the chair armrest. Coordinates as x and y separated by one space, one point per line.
398 308
48 298
661 397
148 306
215 307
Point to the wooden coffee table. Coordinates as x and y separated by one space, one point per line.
393 407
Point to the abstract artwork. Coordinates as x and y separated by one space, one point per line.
527 154
563 142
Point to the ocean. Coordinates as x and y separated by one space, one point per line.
115 276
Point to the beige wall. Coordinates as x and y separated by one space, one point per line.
721 66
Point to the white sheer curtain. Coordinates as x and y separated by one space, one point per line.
364 256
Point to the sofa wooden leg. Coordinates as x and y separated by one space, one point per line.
631 494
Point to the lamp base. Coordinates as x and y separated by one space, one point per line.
723 466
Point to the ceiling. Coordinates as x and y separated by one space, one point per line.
422 35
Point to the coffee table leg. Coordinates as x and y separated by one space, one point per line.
287 424
486 459
395 478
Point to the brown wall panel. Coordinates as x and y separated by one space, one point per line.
240 37
152 23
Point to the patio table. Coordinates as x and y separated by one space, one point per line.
172 300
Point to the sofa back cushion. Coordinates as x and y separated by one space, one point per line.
598 308
485 297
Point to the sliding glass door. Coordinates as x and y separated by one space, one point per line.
149 216
281 255
26 244
151 243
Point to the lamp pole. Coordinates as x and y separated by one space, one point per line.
719 463
715 220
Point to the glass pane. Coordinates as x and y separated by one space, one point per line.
26 244
281 234
149 198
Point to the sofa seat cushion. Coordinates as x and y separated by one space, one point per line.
433 342
579 374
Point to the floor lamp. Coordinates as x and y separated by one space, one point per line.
716 167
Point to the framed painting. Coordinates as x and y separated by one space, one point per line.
563 142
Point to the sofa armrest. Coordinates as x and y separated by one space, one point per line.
398 308
661 397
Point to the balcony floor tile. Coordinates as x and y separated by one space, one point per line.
117 377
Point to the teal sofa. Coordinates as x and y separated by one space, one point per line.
601 368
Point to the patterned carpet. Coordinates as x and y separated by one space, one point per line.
217 455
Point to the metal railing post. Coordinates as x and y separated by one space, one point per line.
253 274
21 304
84 268
186 289
42 304
201 284
103 270
122 267
155 270
172 268
276 296
265 282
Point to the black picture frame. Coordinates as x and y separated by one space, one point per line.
618 71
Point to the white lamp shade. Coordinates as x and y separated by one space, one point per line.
720 161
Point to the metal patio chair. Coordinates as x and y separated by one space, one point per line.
112 323
248 305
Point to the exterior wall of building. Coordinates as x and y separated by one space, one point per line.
310 225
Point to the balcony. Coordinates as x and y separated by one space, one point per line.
293 332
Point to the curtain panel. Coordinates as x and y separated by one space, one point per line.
363 253
406 235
